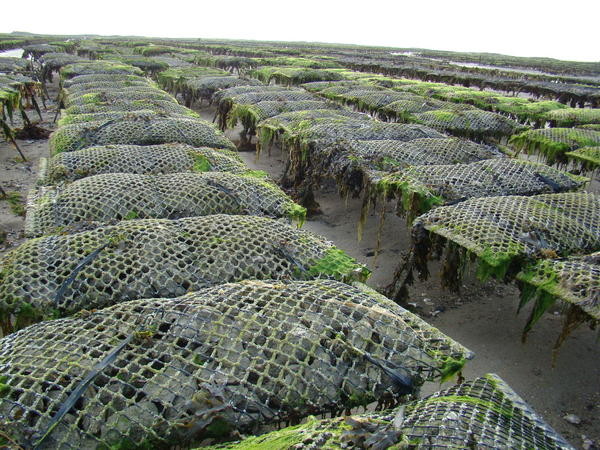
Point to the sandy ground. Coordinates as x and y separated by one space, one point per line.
483 317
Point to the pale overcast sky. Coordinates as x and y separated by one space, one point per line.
564 29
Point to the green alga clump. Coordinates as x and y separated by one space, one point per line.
337 264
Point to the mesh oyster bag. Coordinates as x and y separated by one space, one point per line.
94 78
98 67
552 143
79 88
418 188
168 107
250 98
142 159
139 129
175 111
504 232
111 197
156 258
161 372
128 94
251 114
474 124
483 413
587 157
574 280
204 88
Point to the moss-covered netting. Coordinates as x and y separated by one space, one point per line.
420 187
228 359
138 129
574 280
553 143
142 159
483 413
146 258
110 197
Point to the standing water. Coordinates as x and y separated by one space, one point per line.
15 53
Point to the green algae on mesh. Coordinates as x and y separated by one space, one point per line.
415 198
289 437
496 264
4 387
506 413
451 367
589 157
336 263
201 163
297 213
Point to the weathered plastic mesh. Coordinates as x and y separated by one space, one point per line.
554 142
359 164
393 154
318 86
52 62
142 159
371 99
474 123
504 231
573 116
158 258
98 67
111 197
285 123
126 94
231 358
239 90
37 50
587 157
11 64
100 78
205 87
156 105
177 111
413 104
574 280
331 130
293 75
418 188
483 413
142 129
251 114
82 88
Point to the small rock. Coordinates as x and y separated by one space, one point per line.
587 443
427 301
573 419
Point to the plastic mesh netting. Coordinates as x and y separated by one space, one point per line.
142 159
574 280
251 114
174 111
93 78
101 86
98 67
142 129
393 154
118 94
587 157
52 62
204 88
420 187
120 106
504 231
554 142
112 197
483 413
473 124
569 117
158 257
358 164
175 371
